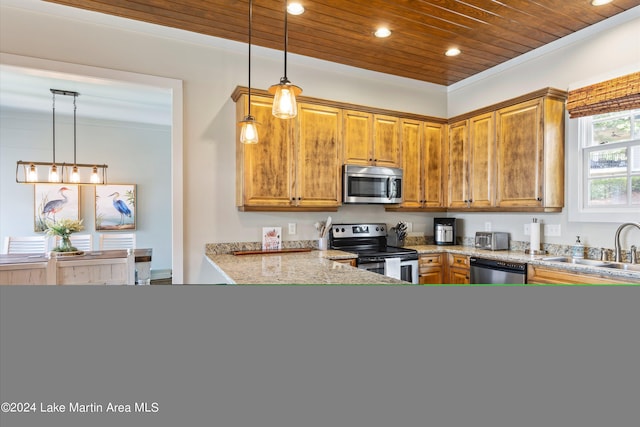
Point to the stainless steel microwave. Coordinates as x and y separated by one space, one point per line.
371 184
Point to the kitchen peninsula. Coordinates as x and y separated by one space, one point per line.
307 268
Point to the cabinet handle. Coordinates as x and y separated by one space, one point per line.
539 199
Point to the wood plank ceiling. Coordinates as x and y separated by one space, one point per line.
488 32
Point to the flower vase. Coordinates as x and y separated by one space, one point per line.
65 245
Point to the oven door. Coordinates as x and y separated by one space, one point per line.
408 270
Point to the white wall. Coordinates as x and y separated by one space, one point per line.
128 148
211 69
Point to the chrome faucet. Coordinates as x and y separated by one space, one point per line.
617 238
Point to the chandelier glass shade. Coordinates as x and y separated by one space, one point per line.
67 173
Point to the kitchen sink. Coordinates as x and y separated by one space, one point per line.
591 262
595 263
623 266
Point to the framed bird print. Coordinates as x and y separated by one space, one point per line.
53 202
115 207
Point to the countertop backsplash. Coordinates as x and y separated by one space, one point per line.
514 245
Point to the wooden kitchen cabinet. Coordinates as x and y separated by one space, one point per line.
530 157
542 275
297 163
472 163
264 172
509 156
371 139
458 268
422 165
318 158
351 261
431 269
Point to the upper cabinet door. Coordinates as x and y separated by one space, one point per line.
386 141
482 161
358 137
520 155
412 163
433 160
264 170
458 165
319 156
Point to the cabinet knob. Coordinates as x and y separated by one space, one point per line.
299 198
375 160
370 160
539 199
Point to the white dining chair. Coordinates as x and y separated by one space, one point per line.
82 242
25 244
117 241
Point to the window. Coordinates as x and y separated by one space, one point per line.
608 160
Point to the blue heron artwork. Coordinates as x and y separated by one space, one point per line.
116 207
54 202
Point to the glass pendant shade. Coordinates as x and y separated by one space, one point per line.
284 99
75 175
249 131
32 175
95 178
53 174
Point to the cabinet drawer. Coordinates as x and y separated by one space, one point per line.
430 260
458 260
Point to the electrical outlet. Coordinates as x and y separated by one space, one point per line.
409 227
487 226
527 229
292 228
552 230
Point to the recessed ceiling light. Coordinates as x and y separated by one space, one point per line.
295 8
600 2
382 32
454 51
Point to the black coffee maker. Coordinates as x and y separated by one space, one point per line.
444 231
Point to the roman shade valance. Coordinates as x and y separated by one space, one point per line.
622 93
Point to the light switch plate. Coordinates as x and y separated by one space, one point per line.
292 228
527 229
487 226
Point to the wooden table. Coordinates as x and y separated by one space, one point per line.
108 267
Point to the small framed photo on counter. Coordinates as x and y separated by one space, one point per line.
271 238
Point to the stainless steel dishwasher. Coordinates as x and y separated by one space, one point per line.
491 271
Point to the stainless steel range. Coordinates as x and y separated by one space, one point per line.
369 241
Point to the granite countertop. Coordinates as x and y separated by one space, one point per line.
519 256
301 268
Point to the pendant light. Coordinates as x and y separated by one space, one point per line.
27 172
284 99
249 130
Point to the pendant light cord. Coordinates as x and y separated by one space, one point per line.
74 129
286 40
54 128
250 21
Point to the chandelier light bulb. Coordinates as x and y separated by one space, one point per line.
95 179
32 175
53 174
75 175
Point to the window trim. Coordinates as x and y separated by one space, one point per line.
577 182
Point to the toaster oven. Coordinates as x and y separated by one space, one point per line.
492 240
